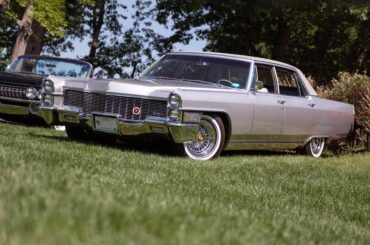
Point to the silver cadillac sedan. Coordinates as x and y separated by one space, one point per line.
205 102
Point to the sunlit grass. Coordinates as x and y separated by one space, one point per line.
55 191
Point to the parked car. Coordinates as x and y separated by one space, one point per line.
208 102
20 84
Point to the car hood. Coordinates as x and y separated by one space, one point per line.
138 87
21 79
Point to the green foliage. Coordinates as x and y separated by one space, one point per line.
75 29
353 89
125 52
50 14
76 193
320 37
8 33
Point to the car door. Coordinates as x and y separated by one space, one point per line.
268 114
298 106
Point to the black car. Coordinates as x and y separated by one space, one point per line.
20 84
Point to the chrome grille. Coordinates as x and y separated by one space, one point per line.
93 102
12 91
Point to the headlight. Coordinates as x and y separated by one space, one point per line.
175 101
31 93
48 86
174 113
174 116
48 100
39 94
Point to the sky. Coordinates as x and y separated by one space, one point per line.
82 47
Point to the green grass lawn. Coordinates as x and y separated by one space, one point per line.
55 191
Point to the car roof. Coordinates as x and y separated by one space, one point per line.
245 57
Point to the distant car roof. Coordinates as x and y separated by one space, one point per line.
53 58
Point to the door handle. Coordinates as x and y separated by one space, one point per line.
282 102
311 105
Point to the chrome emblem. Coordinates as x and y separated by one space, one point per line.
136 111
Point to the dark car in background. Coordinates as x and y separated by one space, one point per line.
20 84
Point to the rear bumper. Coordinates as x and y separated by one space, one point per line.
180 133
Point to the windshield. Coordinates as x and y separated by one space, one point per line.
203 69
46 67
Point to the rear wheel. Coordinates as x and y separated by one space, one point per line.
315 147
209 141
76 133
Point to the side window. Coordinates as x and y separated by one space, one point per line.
288 83
264 80
302 88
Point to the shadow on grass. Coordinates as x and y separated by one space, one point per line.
31 121
158 147
260 153
162 148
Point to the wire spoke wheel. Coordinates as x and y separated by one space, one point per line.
209 140
315 147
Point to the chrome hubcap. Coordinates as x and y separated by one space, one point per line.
316 145
205 140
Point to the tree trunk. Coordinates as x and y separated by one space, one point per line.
360 59
281 41
24 34
98 21
3 6
37 40
134 68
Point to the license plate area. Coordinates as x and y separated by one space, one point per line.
106 124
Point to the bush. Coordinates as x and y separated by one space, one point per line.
353 89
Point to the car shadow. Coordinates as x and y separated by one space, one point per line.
162 148
259 153
23 121
159 147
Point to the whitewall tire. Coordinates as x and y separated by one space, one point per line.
315 147
209 141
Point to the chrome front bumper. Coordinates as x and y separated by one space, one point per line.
180 133
18 110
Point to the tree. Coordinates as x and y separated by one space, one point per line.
39 16
320 37
104 23
122 52
3 6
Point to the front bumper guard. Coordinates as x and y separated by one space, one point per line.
180 132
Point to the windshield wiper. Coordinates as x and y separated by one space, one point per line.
164 78
201 81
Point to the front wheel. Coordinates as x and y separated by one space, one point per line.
315 147
209 140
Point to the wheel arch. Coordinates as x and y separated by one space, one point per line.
225 120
